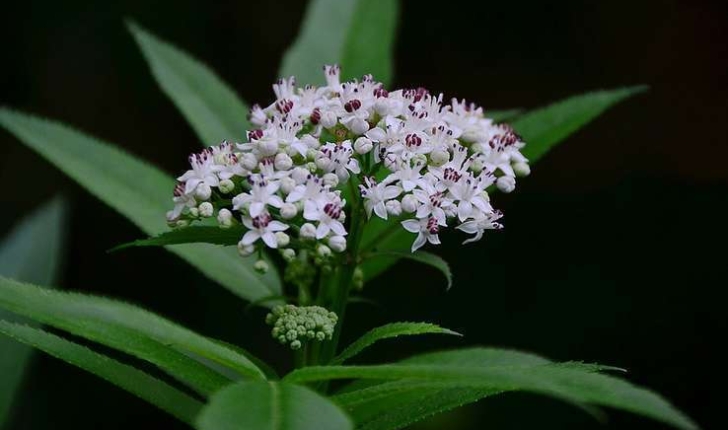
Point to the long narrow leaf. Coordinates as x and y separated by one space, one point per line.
138 191
192 234
146 387
574 382
271 406
210 106
356 34
129 329
31 252
389 331
541 130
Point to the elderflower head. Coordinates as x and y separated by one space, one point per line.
416 160
295 325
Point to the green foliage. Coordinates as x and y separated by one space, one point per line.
356 34
138 191
192 234
271 406
389 331
147 388
129 329
541 130
574 382
31 252
210 106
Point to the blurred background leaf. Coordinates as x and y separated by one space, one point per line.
33 252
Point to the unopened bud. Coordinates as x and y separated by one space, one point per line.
282 239
205 209
323 251
358 126
203 191
288 254
331 180
261 266
226 186
225 218
283 162
363 145
409 203
300 174
506 184
245 250
322 161
249 161
307 231
288 211
394 207
268 148
328 119
287 185
194 212
337 243
522 169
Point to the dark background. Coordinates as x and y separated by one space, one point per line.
614 247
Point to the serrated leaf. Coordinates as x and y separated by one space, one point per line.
541 130
142 385
573 382
192 234
210 106
129 329
271 406
31 252
138 191
356 34
389 331
423 257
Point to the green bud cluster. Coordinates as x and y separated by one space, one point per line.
294 325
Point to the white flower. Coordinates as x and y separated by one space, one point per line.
485 221
375 197
262 227
262 193
340 161
431 203
203 171
468 192
427 230
327 214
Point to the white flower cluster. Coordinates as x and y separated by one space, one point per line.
412 156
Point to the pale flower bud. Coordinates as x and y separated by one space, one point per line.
337 243
409 203
358 126
394 207
225 218
282 239
288 254
324 251
331 180
300 175
311 167
194 212
307 231
381 106
311 154
328 119
288 211
181 223
261 266
322 161
249 161
287 185
363 145
283 162
476 166
226 186
268 148
439 157
506 184
522 169
203 191
205 209
245 250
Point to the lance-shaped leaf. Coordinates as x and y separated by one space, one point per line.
129 329
192 234
389 331
356 34
574 382
541 129
271 406
210 106
142 385
31 252
138 191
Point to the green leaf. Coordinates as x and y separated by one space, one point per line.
138 191
271 406
423 257
146 387
192 234
128 329
389 331
356 34
503 115
32 252
541 129
210 106
573 382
